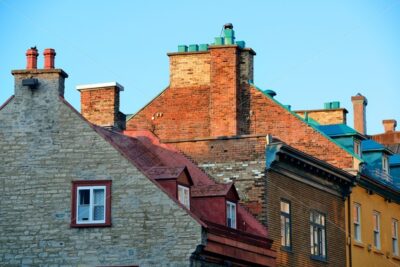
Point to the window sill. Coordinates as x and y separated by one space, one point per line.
378 251
397 258
287 249
90 225
316 258
358 244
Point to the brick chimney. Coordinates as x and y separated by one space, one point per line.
223 69
389 125
41 85
49 55
359 111
100 104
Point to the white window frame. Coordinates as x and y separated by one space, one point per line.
357 148
318 235
286 225
231 215
357 222
385 164
91 204
395 237
184 196
377 229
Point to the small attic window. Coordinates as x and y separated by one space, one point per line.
231 214
357 148
184 195
385 164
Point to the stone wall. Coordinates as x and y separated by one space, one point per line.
44 147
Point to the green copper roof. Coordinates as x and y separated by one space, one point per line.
335 130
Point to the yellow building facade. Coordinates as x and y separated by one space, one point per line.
373 215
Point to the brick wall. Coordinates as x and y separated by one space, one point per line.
189 69
303 199
325 116
45 146
101 106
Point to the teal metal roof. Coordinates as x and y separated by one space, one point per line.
394 160
335 130
371 145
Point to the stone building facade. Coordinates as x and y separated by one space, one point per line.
73 193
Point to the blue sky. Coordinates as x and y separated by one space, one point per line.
309 52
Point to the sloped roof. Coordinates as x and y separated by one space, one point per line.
371 145
165 172
143 148
394 160
211 190
335 130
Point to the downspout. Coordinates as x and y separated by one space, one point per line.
349 229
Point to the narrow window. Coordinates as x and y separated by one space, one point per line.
318 235
184 195
91 203
285 224
377 230
357 148
385 164
357 222
395 243
231 214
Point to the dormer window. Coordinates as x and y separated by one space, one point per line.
184 195
385 164
357 148
231 214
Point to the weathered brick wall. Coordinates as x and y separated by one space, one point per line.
269 117
177 112
45 146
303 199
224 90
101 106
325 117
189 69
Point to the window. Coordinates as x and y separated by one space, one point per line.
377 231
395 243
184 195
231 214
91 203
285 225
357 148
385 164
318 235
357 221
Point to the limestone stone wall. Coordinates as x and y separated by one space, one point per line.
44 146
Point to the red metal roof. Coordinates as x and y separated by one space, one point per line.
211 190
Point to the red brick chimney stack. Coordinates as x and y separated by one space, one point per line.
359 109
389 125
31 58
49 55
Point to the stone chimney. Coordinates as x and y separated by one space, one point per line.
100 104
223 70
389 125
359 111
42 85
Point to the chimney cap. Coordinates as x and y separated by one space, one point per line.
228 26
359 97
93 86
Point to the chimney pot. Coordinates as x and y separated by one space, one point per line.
31 58
389 125
49 55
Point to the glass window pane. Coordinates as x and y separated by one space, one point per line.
83 212
285 207
98 213
98 196
84 196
